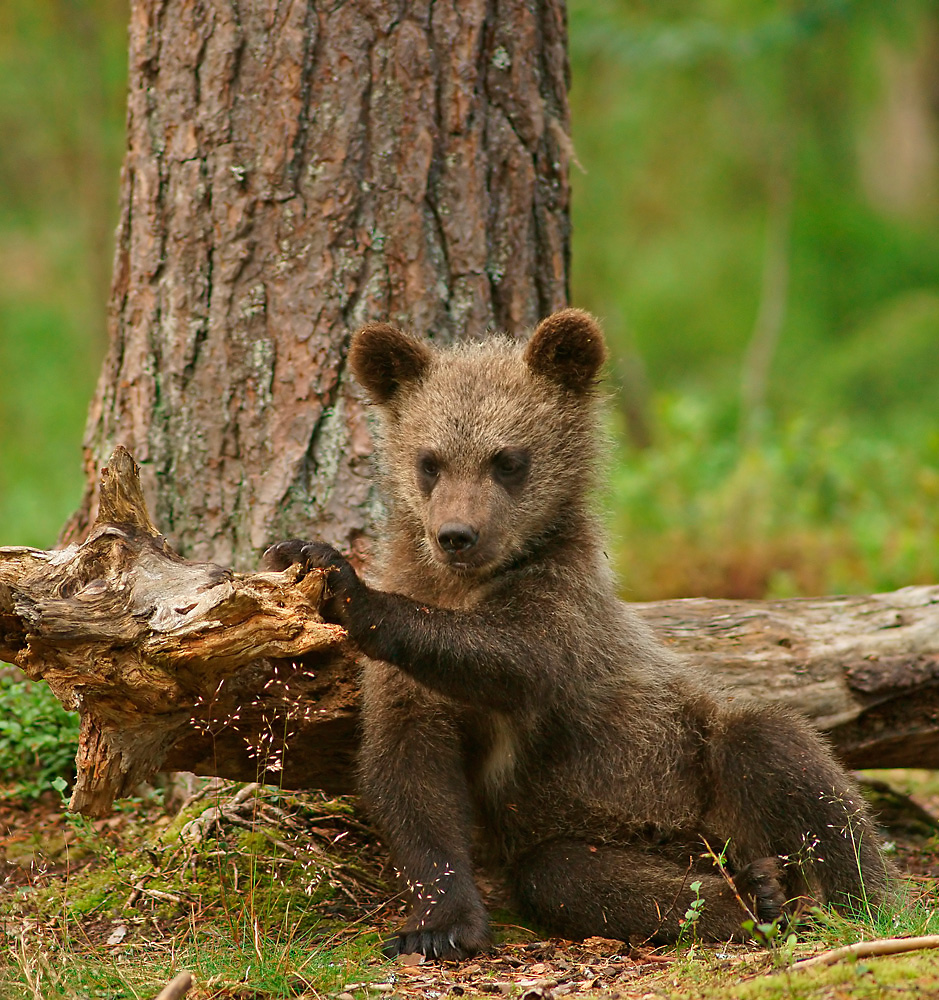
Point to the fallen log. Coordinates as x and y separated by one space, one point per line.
179 665
864 669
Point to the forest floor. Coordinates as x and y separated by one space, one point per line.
262 894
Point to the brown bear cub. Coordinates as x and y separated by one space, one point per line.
511 701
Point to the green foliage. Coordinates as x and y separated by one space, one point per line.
302 966
773 937
246 900
700 127
62 88
37 737
689 923
686 117
915 975
813 510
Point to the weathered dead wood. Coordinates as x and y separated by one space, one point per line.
189 666
150 648
864 669
868 949
177 987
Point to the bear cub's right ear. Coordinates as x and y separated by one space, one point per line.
384 358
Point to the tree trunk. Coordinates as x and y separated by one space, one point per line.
291 173
181 665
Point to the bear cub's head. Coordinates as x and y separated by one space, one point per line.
486 447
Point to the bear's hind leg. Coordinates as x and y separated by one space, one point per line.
638 894
778 792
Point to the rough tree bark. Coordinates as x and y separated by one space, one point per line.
182 665
293 171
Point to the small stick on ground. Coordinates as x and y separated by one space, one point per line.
867 949
176 988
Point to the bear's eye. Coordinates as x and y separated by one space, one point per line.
510 466
428 469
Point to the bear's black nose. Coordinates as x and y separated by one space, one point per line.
454 537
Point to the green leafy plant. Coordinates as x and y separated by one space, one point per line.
692 915
774 938
37 737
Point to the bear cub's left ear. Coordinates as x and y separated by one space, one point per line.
567 348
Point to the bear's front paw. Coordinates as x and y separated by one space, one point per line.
283 555
342 582
449 944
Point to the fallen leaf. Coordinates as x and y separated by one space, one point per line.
538 993
117 935
409 960
603 946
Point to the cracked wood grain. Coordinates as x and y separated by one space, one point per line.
150 648
864 669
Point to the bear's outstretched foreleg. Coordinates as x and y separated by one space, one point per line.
638 894
413 782
481 655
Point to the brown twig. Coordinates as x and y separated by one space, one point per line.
719 862
866 949
176 988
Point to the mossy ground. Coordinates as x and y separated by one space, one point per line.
242 886
261 894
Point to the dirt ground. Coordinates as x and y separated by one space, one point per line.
40 847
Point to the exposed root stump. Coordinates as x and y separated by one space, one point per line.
152 650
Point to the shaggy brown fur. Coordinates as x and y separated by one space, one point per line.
509 691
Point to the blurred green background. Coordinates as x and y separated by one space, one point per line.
756 219
63 69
